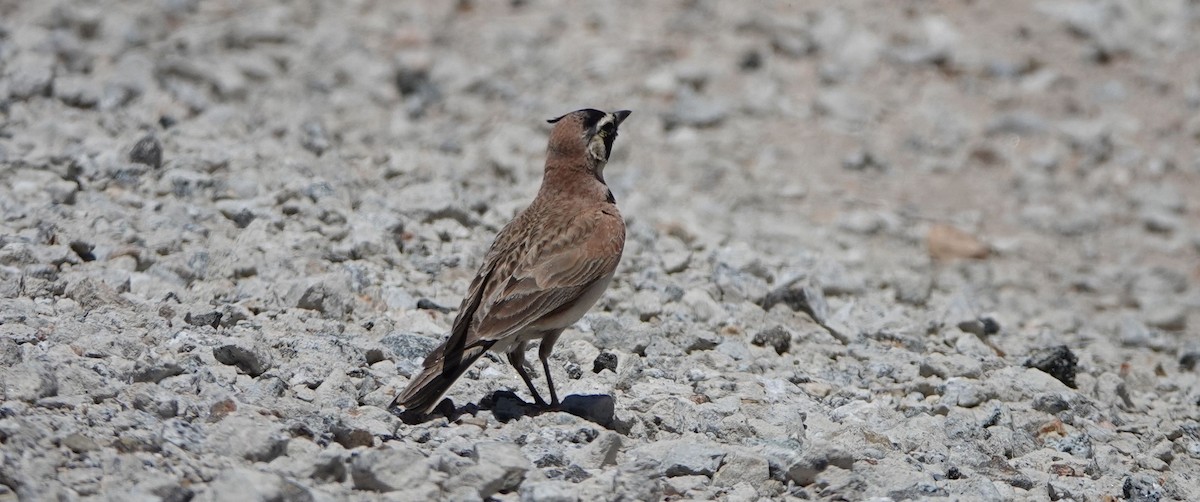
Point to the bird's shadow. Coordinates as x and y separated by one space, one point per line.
506 406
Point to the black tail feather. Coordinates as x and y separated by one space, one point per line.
426 389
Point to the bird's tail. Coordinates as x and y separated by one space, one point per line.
426 389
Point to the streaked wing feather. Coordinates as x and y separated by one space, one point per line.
507 242
587 251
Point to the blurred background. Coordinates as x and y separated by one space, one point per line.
768 121
1059 137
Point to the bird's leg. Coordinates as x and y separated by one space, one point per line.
516 357
550 383
547 346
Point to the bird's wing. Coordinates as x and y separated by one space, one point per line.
496 263
550 275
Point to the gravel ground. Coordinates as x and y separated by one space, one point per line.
896 250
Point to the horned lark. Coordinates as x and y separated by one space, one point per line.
546 268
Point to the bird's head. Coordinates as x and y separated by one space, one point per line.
585 135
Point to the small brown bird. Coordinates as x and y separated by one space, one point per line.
546 268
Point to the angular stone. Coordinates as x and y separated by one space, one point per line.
777 337
599 453
800 295
388 469
550 491
408 350
742 466
251 360
686 459
1059 362
499 467
92 294
252 437
147 151
27 382
79 443
242 483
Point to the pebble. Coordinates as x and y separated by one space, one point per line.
549 491
703 307
1169 317
741 466
778 338
799 295
249 484
388 469
252 438
692 459
647 305
1058 362
499 467
962 392
147 151
249 359
946 242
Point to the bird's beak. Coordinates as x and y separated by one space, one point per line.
620 116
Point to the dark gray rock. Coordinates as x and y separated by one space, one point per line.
1189 357
1051 403
155 370
800 295
1142 488
863 160
147 151
330 297
605 361
251 360
416 86
778 338
1058 362
238 213
206 319
599 409
981 326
